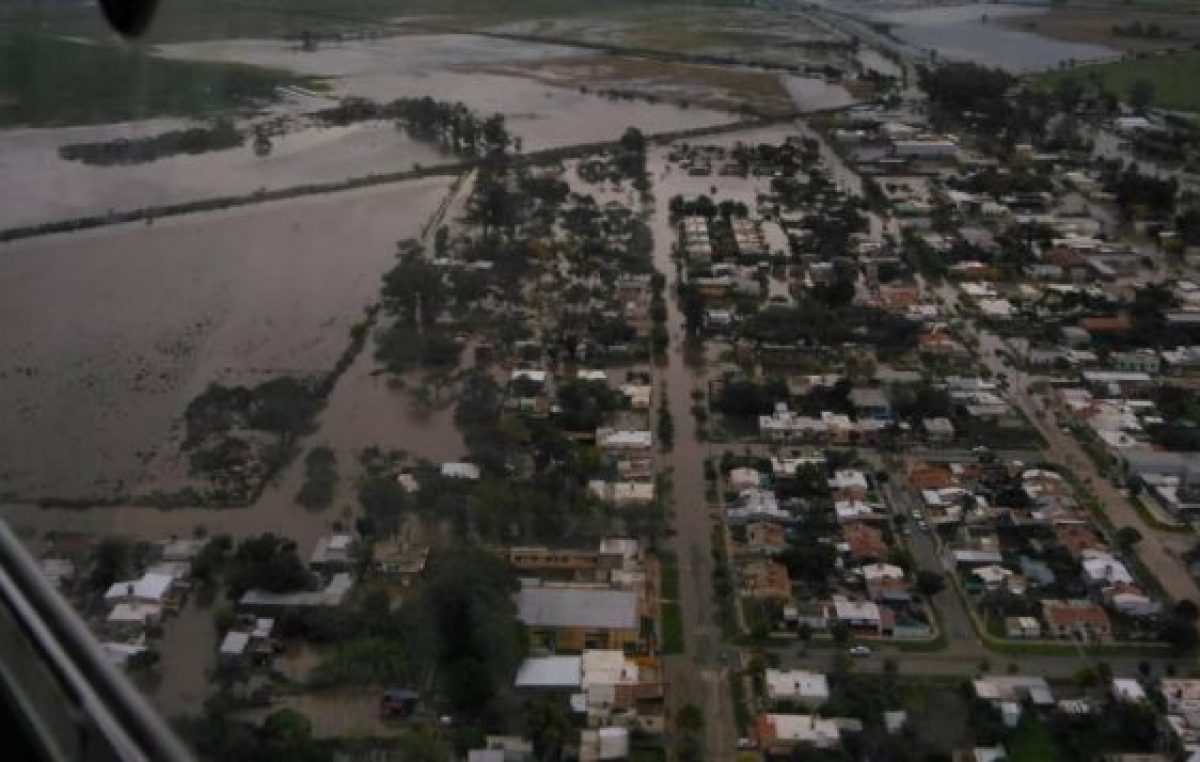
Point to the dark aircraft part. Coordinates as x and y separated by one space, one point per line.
129 17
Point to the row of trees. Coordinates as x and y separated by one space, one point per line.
426 119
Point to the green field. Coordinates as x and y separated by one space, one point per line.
49 81
1173 77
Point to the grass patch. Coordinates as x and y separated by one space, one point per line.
48 81
668 566
1033 741
922 646
1173 77
320 479
671 616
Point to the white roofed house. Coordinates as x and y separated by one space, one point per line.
1103 570
796 686
461 470
333 552
150 588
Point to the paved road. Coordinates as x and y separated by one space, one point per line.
1158 550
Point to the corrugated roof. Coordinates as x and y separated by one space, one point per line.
577 607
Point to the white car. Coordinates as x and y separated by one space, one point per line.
860 651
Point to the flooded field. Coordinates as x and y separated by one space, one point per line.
973 32
59 189
454 67
110 333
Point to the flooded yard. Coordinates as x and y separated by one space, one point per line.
110 333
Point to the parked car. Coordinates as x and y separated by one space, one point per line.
860 651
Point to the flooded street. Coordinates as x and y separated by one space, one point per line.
94 392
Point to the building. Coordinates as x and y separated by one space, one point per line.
575 617
1075 618
781 733
333 552
611 743
150 588
796 686
764 579
864 616
864 542
333 594
395 559
939 430
764 537
1022 627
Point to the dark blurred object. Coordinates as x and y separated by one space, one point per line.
129 17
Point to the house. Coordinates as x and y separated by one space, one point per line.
1008 692
939 430
333 552
1128 690
461 470
764 537
150 588
858 615
396 559
608 438
622 492
864 542
870 402
614 683
611 743
573 617
781 733
1130 600
136 615
1075 617
1022 627
756 503
884 581
333 594
1102 569
743 478
849 483
796 686
766 579
993 576
1078 538
639 395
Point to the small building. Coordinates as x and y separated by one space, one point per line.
1128 690
333 552
1075 618
939 430
796 686
1022 627
461 470
150 588
396 559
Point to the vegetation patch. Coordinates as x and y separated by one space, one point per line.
1171 78
672 628
195 140
320 479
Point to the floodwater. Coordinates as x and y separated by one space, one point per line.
960 33
448 67
54 188
109 333
816 94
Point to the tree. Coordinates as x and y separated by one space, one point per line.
266 562
1179 633
1187 610
666 426
930 583
1127 537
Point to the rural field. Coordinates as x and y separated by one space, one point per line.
1173 77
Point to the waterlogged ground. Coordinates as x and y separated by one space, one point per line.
108 334
452 67
961 33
